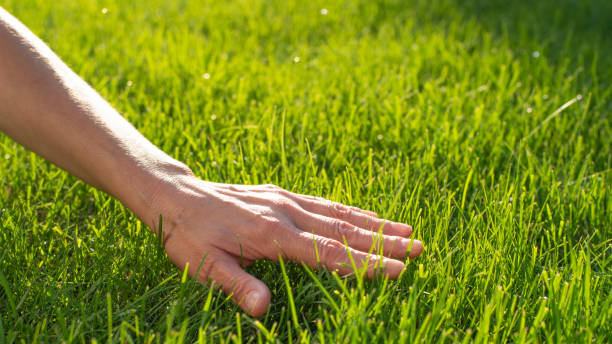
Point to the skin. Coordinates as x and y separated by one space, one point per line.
213 229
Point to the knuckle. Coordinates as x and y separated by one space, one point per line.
263 224
271 223
340 229
284 203
205 269
271 236
281 191
286 193
340 211
315 198
232 187
272 187
331 251
237 285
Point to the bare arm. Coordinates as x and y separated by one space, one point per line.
46 107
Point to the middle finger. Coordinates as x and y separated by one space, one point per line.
356 237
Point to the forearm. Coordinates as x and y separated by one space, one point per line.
46 107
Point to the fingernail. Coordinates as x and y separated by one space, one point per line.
252 300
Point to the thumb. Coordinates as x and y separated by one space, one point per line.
249 293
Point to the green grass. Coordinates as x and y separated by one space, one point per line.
443 115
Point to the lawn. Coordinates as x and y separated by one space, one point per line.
486 125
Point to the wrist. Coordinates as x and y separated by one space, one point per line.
148 189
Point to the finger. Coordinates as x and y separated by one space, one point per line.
357 238
315 251
292 195
249 293
359 219
320 201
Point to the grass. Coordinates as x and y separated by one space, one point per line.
487 126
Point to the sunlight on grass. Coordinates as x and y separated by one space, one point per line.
487 127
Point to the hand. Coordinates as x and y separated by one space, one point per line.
221 228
